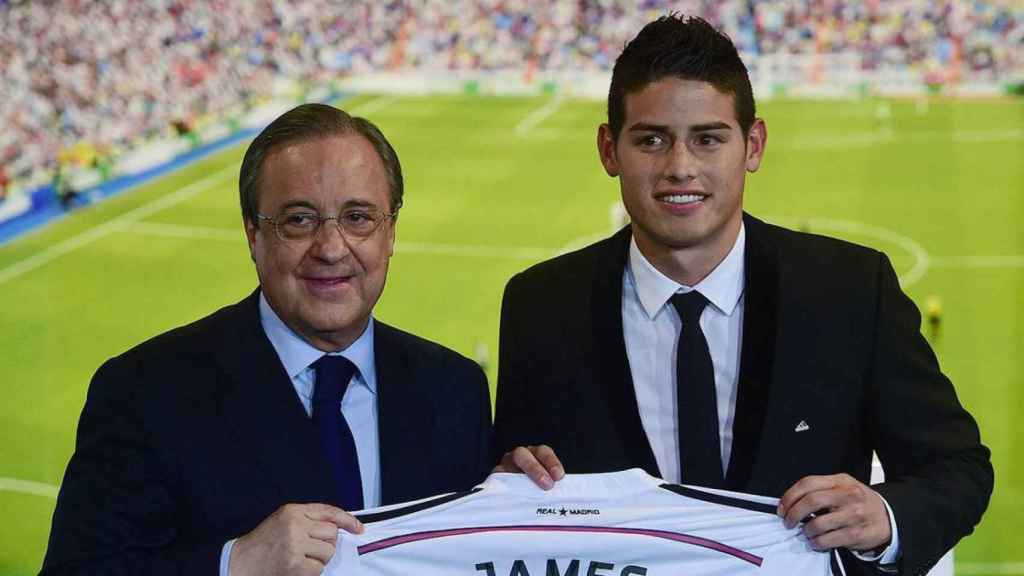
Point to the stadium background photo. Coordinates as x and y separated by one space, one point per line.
899 125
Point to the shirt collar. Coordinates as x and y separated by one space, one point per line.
296 354
722 287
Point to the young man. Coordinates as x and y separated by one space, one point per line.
708 347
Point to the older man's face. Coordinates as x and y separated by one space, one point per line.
324 287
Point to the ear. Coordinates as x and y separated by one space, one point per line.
757 139
250 236
606 149
390 233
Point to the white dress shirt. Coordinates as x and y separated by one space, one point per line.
359 405
651 328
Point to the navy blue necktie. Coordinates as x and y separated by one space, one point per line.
333 374
700 449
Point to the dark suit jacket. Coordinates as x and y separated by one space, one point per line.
828 338
196 436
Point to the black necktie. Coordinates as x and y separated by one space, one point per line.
699 445
333 374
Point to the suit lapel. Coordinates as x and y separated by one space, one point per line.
403 418
760 321
261 408
613 371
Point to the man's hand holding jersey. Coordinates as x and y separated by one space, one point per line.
296 540
537 462
842 511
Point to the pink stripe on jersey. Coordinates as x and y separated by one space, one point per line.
665 535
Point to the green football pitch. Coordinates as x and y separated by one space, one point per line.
494 185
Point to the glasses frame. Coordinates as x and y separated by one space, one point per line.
320 224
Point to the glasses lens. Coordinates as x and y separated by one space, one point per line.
360 223
297 225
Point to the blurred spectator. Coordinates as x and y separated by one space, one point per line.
4 181
115 73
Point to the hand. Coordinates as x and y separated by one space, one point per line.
537 462
296 540
847 513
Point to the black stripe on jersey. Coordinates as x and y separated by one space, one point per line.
720 499
837 564
404 510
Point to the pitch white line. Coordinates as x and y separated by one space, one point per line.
539 115
188 232
119 223
372 106
888 135
28 487
1015 261
989 568
922 261
512 252
582 241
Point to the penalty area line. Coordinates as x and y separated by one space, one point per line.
28 487
539 115
989 568
121 222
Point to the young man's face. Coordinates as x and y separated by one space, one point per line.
681 159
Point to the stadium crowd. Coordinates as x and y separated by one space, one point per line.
102 76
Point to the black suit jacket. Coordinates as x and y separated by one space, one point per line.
196 436
828 338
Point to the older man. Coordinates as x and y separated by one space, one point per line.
237 443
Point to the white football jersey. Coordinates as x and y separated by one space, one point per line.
618 524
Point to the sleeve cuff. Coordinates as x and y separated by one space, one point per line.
225 556
891 553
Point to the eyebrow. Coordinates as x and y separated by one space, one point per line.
710 126
298 204
352 203
707 127
357 203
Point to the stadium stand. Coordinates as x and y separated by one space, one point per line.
84 81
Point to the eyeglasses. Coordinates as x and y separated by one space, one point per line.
354 223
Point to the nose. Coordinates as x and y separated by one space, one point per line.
329 244
680 163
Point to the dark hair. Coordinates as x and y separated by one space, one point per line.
310 122
680 47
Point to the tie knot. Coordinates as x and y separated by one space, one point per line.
689 305
333 374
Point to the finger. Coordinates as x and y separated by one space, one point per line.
337 516
809 506
319 551
326 531
825 523
308 567
810 484
547 458
801 488
846 537
506 464
526 462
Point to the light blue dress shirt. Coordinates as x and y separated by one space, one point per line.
359 405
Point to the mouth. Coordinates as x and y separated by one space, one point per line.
682 198
682 201
326 282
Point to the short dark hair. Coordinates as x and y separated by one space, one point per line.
304 123
680 47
